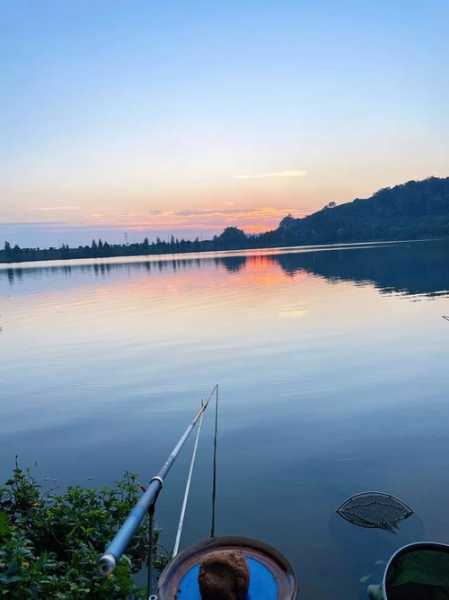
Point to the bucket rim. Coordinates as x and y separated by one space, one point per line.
288 588
403 550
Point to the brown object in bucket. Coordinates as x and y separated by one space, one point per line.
224 575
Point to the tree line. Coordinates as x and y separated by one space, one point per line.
413 210
231 238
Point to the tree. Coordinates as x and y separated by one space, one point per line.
232 237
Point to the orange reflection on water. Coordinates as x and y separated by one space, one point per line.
169 301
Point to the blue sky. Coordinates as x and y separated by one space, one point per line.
145 116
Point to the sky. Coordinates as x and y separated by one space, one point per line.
185 117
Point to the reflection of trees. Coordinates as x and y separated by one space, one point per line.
409 268
104 269
233 264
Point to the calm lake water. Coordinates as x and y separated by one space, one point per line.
333 374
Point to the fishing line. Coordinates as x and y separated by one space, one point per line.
214 478
187 490
109 559
150 549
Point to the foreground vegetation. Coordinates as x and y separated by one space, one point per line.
49 543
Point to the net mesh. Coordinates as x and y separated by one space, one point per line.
376 510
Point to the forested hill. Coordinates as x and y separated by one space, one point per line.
413 210
417 209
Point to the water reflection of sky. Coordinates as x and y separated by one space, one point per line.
333 380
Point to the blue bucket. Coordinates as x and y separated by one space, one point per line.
271 575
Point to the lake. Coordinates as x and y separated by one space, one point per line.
333 374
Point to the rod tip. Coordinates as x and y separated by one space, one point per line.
106 564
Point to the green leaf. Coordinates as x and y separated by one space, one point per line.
4 525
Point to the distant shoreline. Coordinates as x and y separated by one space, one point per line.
167 256
416 210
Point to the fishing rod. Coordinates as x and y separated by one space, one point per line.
108 561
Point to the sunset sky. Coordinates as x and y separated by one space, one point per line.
186 117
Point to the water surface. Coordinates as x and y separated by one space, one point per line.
332 366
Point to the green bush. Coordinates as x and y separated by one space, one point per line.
49 544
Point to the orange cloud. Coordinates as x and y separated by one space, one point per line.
288 173
57 208
252 220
